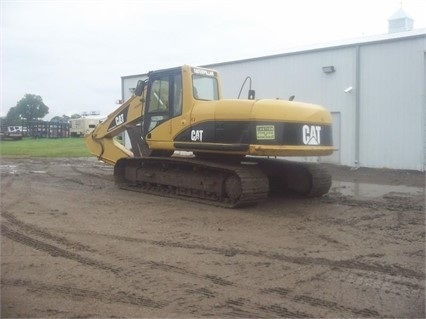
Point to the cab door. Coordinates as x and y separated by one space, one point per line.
163 106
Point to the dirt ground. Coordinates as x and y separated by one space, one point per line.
72 245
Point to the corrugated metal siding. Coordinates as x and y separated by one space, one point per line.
392 84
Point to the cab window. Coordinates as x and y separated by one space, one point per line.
159 97
177 95
205 88
165 100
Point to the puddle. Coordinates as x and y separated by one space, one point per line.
373 190
38 172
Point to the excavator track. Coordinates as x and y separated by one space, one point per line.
306 179
220 184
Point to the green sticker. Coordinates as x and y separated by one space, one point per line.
265 132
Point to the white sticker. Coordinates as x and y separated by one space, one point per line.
311 134
197 135
265 132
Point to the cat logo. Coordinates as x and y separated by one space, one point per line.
197 135
311 134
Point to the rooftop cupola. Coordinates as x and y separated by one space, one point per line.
400 21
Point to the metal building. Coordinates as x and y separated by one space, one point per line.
375 88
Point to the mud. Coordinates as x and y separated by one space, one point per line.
72 245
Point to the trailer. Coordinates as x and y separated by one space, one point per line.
12 133
81 126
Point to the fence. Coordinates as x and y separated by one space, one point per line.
43 129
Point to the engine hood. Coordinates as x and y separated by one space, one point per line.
269 109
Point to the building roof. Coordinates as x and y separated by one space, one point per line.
322 46
338 44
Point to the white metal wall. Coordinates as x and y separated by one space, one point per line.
391 104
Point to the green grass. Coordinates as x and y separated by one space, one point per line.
44 147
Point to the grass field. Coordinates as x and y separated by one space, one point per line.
44 147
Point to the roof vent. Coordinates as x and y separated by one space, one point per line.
400 21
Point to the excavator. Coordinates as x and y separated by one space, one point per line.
189 143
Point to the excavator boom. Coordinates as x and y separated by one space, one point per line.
102 140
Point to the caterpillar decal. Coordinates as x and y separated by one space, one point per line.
245 133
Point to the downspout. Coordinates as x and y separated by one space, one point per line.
357 104
122 90
424 112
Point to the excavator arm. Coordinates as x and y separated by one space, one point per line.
102 141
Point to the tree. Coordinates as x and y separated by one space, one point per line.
56 119
30 107
60 119
13 118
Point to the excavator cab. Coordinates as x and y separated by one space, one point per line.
162 103
175 99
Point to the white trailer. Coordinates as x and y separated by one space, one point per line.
81 126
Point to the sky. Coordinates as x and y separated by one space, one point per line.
74 53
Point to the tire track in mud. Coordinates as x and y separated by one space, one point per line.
32 229
316 302
394 270
55 251
68 179
8 187
204 289
7 180
389 203
204 292
77 179
379 282
238 307
281 311
331 305
100 176
245 308
59 252
242 306
80 293
249 308
219 280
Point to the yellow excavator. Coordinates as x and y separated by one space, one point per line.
189 143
